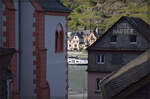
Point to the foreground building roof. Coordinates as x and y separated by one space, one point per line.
121 83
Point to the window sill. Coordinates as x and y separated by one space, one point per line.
113 42
97 91
100 63
133 42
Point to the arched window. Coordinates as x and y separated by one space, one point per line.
98 86
59 39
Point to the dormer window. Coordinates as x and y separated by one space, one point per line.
113 39
132 38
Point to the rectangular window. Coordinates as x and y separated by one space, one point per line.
100 59
133 38
113 38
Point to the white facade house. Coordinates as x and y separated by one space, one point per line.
69 42
73 43
77 41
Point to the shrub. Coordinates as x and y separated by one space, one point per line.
92 3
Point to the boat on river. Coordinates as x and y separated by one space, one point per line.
77 61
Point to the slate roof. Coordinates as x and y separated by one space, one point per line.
141 26
53 5
128 75
137 23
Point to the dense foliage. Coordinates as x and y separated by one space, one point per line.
89 14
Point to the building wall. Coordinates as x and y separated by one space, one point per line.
113 60
8 37
96 70
123 42
92 76
26 80
56 62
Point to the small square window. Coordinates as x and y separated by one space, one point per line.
100 59
113 38
133 38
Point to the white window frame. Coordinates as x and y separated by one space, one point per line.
133 42
100 56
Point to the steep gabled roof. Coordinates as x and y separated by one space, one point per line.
141 26
53 5
95 34
128 75
137 23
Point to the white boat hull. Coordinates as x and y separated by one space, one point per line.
75 61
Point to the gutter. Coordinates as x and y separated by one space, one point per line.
19 39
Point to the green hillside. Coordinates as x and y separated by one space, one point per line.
89 14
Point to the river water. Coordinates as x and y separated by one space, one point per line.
77 78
